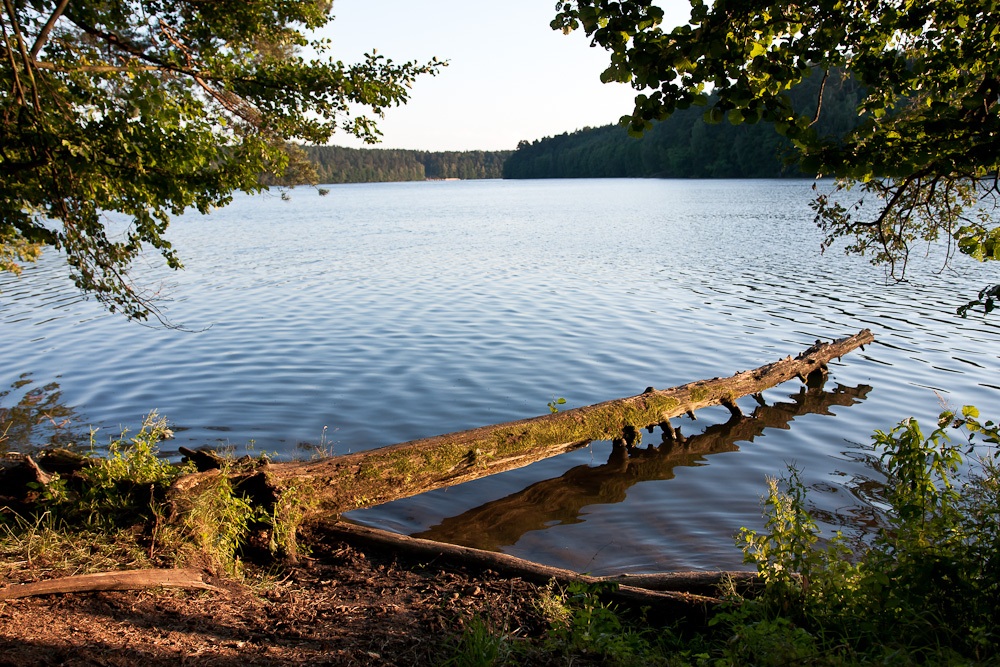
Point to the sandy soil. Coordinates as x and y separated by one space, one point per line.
339 606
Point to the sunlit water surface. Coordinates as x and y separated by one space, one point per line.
388 312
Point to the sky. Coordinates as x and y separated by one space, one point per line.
510 76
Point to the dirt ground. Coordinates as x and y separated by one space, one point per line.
339 606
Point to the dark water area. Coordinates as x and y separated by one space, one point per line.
389 312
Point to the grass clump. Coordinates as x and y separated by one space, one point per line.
586 629
582 629
215 525
114 512
481 645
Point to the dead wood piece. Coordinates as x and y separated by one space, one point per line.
707 583
364 479
63 461
203 459
503 521
21 478
668 605
40 476
124 580
702 583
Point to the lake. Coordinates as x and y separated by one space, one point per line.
387 312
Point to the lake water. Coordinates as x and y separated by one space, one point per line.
388 312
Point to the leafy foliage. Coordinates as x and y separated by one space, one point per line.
927 585
927 145
148 108
555 403
124 485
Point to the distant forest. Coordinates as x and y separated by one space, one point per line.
683 146
335 164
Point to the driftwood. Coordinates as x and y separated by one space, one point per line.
124 580
683 595
703 584
335 485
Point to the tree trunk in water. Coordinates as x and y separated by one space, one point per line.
338 484
504 521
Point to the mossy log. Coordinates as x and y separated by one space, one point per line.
501 522
330 486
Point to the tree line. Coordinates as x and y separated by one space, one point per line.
335 164
684 146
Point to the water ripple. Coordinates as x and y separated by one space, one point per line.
388 312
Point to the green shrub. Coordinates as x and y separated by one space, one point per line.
926 587
125 486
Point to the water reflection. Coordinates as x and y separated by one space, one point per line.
38 418
561 500
863 514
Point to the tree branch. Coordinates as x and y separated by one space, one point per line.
43 36
819 97
18 88
99 69
16 27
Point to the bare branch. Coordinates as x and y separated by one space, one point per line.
16 27
99 69
18 88
819 97
43 36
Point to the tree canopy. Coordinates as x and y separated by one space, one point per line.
144 108
927 145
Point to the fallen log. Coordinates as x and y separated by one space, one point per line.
670 597
124 580
338 484
503 521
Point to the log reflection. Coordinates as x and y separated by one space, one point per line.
560 500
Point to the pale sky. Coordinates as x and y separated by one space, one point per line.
510 76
